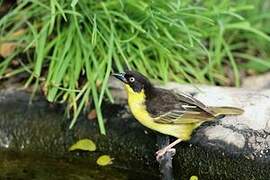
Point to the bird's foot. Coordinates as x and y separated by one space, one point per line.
160 153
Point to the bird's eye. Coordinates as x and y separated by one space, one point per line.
131 79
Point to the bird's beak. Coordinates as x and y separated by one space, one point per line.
120 76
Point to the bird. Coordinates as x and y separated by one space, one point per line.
171 113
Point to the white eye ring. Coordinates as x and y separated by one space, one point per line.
131 79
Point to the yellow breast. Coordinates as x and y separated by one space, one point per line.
136 102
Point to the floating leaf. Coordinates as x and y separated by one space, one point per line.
104 160
193 178
83 144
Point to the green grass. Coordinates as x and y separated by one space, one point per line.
71 47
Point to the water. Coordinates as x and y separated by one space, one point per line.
16 166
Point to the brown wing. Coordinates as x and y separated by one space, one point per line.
168 107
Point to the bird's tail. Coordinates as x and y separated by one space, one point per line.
219 111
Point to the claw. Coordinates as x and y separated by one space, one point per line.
160 153
172 151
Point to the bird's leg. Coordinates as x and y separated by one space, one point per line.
168 148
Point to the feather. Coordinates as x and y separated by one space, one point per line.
172 108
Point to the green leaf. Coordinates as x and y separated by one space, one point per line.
83 144
193 178
104 160
247 27
73 3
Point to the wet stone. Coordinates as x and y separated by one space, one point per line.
40 130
